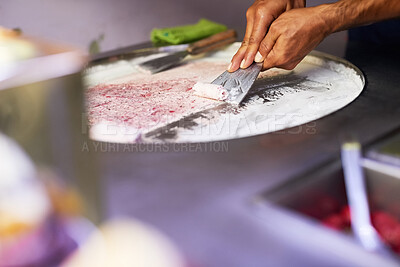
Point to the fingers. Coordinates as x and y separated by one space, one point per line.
276 34
278 55
259 18
278 59
267 48
268 42
260 28
295 4
299 3
258 21
238 57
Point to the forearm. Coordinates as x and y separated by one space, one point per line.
345 14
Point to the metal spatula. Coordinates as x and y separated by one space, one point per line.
205 45
115 55
238 83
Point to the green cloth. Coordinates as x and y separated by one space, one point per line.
186 34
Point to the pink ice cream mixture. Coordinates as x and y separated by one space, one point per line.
147 101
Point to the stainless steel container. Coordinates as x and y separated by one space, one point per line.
42 108
295 211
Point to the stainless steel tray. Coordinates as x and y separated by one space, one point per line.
295 209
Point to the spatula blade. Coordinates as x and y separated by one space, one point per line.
163 63
238 83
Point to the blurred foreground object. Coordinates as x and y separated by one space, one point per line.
357 198
30 233
126 243
13 48
41 109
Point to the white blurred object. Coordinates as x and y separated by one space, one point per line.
22 196
24 207
13 48
126 243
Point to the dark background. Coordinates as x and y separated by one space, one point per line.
127 22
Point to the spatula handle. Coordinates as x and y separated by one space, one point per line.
213 42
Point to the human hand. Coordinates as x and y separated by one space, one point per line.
293 35
259 18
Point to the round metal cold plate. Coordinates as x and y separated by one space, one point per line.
127 106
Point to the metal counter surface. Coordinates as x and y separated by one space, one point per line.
201 200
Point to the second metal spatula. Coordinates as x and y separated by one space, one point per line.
205 45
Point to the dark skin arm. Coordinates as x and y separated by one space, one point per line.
294 33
